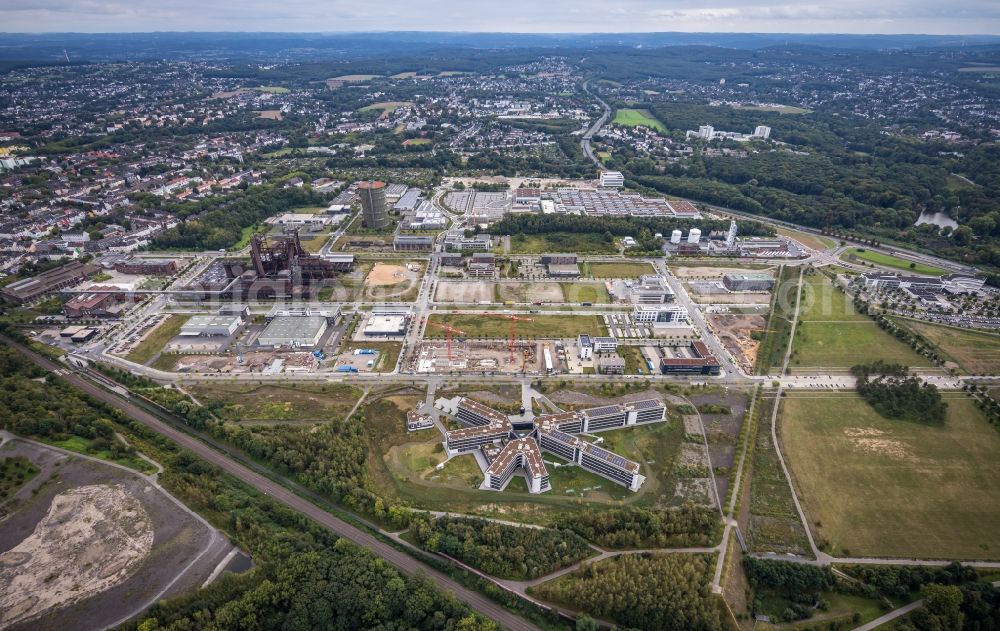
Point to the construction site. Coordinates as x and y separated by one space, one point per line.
478 356
735 331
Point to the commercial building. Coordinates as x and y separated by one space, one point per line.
309 221
612 179
386 326
586 346
748 282
373 205
293 332
614 203
652 289
481 270
605 344
458 242
473 413
952 283
210 326
526 196
564 270
103 304
659 314
412 243
471 438
147 267
519 454
558 259
610 365
699 362
51 281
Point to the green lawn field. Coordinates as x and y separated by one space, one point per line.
615 270
633 118
586 292
157 339
975 352
541 326
831 334
894 262
560 242
279 402
880 487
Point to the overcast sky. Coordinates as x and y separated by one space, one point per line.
528 16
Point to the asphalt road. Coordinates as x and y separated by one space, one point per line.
596 127
393 556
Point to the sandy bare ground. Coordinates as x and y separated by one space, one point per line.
478 291
530 292
385 274
706 271
96 559
92 538
755 298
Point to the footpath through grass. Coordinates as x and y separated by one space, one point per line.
880 487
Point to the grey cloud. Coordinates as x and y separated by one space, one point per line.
850 16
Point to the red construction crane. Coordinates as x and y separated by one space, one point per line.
448 330
514 319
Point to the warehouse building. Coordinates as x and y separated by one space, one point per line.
293 332
388 321
331 312
51 281
412 243
211 326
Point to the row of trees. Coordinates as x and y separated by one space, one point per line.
634 527
896 394
500 549
666 592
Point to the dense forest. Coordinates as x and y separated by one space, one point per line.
331 460
305 577
218 222
665 592
894 393
633 527
844 176
501 550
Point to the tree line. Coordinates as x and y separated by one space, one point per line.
634 527
501 550
661 592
